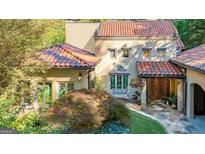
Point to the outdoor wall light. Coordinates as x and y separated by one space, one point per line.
80 76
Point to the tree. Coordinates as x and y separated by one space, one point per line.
55 32
191 31
21 39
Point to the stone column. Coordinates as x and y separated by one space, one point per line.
144 95
190 101
54 91
180 92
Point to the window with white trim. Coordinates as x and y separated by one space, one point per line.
118 81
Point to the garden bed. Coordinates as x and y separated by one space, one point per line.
79 111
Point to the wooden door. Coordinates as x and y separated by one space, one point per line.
157 88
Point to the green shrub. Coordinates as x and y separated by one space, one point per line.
117 110
171 100
136 97
6 116
32 123
79 111
97 84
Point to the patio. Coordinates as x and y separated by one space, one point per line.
199 123
174 121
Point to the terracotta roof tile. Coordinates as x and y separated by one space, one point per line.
193 59
140 28
68 56
158 69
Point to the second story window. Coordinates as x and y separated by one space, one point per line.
161 52
112 52
125 53
146 52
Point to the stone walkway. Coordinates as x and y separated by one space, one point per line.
172 120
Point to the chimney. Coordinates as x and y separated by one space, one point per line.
81 34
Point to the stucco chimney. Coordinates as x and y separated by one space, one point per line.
81 34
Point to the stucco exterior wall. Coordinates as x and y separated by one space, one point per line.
81 35
69 75
193 77
107 64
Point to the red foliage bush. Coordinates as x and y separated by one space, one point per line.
81 110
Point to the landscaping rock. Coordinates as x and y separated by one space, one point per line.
7 131
112 127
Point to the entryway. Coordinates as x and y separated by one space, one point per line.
159 88
199 100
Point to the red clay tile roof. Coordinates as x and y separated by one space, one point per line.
67 56
193 59
158 69
140 28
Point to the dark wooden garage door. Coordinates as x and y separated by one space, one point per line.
157 88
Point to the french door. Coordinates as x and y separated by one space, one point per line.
119 83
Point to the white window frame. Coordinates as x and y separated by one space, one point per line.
122 90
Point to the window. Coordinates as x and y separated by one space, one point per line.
64 87
125 81
146 52
112 82
125 53
119 81
161 52
122 81
112 52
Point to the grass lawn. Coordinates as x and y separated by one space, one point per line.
140 124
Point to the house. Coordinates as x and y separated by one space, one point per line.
129 49
70 68
116 52
193 63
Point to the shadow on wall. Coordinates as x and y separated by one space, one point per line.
90 45
107 64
